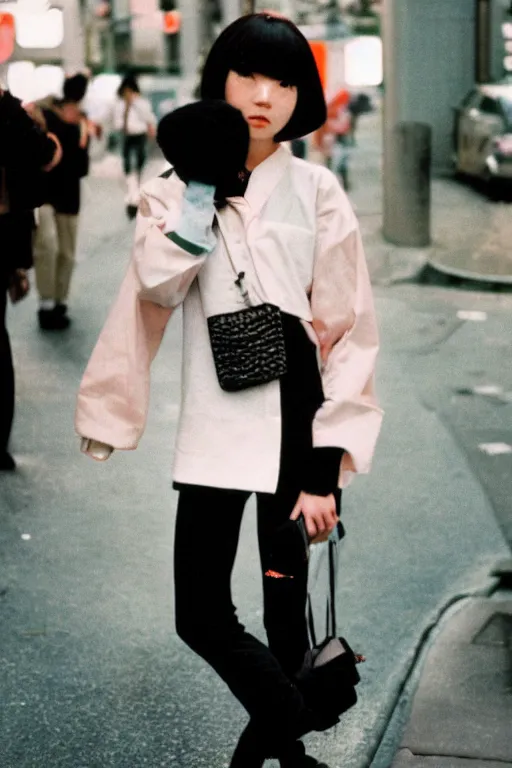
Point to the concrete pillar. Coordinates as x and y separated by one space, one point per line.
190 42
230 11
429 65
407 185
73 45
483 41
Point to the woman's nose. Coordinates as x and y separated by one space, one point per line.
263 96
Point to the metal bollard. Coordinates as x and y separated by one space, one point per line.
408 150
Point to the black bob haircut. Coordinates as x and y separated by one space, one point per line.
263 44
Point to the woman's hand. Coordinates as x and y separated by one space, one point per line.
319 513
95 449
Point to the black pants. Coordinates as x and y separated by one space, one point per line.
6 371
207 532
134 152
15 252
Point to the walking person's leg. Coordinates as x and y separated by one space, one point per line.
67 230
142 151
131 175
45 258
207 531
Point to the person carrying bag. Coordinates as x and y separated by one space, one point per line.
263 251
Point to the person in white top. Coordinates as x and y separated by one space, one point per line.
134 118
239 221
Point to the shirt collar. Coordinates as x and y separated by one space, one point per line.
264 179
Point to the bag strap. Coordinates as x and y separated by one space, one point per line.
331 600
311 622
240 274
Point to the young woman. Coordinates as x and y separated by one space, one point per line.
295 440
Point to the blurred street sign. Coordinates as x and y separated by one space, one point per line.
7 36
172 22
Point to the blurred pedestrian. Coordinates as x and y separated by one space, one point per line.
56 233
134 118
24 151
335 136
280 342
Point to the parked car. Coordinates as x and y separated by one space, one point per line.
483 134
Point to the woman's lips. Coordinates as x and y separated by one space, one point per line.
259 120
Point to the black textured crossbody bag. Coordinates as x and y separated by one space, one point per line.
248 344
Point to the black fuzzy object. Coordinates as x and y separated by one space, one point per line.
206 141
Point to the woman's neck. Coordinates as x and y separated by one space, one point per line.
258 152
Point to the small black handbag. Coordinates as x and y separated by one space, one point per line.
248 345
328 676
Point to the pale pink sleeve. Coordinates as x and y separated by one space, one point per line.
344 321
113 398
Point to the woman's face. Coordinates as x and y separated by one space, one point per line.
266 104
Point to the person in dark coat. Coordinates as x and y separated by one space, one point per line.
56 234
25 150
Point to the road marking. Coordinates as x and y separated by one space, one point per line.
472 314
488 389
495 449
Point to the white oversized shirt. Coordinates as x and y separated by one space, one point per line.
297 239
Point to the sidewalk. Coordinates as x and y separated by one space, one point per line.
456 709
462 711
471 235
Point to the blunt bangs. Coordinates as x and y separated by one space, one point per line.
271 46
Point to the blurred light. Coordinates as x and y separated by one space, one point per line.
21 80
363 61
7 35
172 22
40 30
100 96
48 79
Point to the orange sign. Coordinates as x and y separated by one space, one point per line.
172 22
7 36
319 49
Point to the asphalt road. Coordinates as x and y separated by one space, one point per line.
93 675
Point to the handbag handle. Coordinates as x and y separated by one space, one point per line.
331 624
330 617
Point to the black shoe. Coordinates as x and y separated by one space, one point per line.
295 757
50 320
60 309
7 463
131 211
